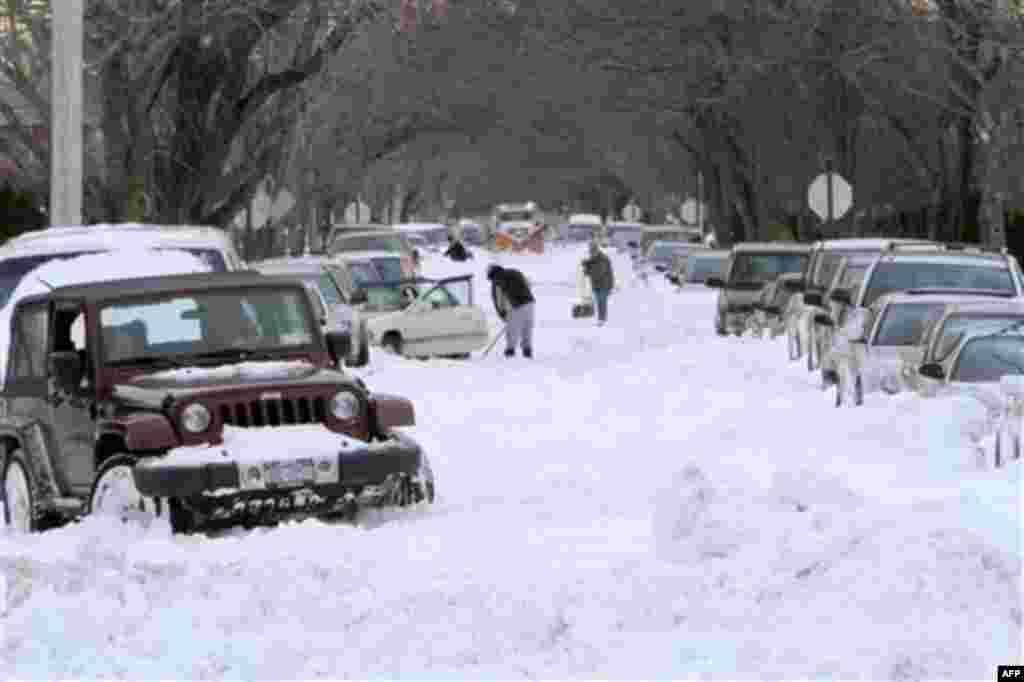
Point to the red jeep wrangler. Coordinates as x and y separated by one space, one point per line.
198 400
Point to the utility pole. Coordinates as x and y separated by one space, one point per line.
66 158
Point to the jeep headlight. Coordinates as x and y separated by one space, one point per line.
345 405
195 418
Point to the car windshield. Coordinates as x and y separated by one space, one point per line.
205 322
12 270
903 324
989 359
765 267
702 267
328 288
582 233
388 269
369 242
956 326
897 276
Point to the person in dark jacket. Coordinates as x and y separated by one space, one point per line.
513 301
456 250
602 279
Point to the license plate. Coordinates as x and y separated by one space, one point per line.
290 474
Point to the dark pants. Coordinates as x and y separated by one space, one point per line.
601 299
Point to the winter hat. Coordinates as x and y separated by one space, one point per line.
493 270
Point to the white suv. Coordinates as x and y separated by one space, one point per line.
27 251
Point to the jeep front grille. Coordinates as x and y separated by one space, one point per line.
275 412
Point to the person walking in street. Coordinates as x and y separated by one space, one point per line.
602 279
513 301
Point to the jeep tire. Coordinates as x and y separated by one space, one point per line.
114 494
19 510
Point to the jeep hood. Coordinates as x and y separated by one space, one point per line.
152 389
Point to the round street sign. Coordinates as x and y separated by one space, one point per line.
842 196
632 212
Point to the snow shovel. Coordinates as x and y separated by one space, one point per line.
585 306
495 341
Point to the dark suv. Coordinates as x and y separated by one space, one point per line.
197 400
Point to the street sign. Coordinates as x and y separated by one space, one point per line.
632 212
689 211
830 196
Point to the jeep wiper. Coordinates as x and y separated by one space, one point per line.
239 353
146 361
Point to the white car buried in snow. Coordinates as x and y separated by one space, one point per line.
441 321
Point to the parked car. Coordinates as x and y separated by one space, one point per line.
958 319
471 233
771 306
375 244
584 227
751 266
978 367
197 400
376 274
661 254
894 330
27 251
820 277
337 305
703 264
443 320
432 236
620 234
846 274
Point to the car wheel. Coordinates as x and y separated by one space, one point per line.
392 342
858 391
19 514
114 495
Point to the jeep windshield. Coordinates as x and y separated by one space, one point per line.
761 268
989 359
218 324
370 242
903 324
13 270
900 276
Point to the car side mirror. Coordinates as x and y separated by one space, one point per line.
339 344
65 368
715 282
824 320
841 296
813 298
358 297
932 370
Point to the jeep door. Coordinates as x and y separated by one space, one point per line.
72 418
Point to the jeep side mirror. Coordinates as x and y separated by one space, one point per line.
715 282
813 298
932 370
793 285
358 297
339 344
823 320
841 296
65 368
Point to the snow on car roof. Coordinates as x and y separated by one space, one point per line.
771 247
292 264
107 237
364 255
993 260
143 286
420 227
585 219
964 295
866 244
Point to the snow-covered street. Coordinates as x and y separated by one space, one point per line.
644 500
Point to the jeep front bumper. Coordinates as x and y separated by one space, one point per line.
330 467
